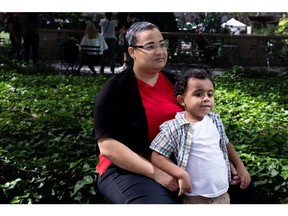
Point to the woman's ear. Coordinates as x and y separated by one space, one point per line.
180 100
131 52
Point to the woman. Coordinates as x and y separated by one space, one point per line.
127 114
92 38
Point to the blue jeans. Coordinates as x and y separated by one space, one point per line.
124 187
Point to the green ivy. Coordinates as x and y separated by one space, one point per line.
47 151
253 107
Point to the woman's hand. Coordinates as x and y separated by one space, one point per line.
166 180
235 177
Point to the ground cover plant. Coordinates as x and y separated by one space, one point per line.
47 151
253 106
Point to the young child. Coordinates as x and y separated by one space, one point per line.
196 139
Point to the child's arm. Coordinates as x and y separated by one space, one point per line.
240 168
168 166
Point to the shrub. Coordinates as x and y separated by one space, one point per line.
47 151
253 107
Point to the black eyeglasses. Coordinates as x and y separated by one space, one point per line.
152 47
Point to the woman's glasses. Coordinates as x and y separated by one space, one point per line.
151 47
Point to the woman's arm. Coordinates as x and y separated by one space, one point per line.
122 156
168 166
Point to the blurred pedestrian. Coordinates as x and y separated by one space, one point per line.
92 38
108 25
121 44
15 31
131 18
31 36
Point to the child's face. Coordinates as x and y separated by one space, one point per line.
198 100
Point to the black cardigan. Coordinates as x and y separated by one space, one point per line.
119 113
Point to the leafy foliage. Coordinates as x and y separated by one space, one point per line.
47 151
283 26
63 20
253 107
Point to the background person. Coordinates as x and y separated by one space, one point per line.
131 18
203 44
121 44
16 32
92 38
108 25
31 36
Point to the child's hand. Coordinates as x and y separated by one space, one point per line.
184 184
245 177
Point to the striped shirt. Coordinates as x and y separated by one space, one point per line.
175 141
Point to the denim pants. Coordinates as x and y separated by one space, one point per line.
123 187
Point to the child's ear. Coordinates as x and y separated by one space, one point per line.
180 99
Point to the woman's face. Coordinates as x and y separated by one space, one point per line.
149 61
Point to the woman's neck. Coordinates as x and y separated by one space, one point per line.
149 78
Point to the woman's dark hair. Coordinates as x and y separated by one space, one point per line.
135 28
182 81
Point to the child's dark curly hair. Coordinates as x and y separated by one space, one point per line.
182 81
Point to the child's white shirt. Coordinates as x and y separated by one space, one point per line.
206 164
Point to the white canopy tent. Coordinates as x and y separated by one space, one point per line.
235 26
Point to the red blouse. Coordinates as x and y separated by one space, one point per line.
159 104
